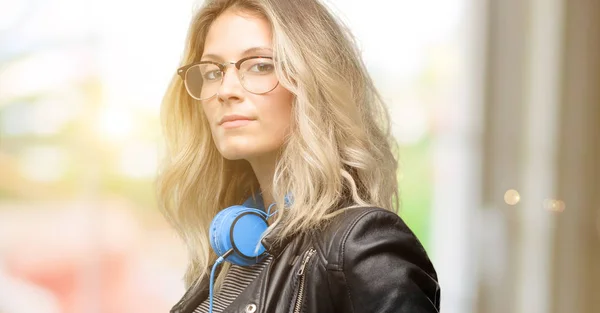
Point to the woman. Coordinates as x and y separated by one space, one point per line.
273 105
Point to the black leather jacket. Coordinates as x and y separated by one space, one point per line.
364 260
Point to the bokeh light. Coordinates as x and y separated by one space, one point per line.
554 205
512 197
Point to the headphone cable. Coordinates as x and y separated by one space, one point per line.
212 277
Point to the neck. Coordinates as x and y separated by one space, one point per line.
264 169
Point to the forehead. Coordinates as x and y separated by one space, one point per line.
234 32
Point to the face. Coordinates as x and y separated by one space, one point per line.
265 118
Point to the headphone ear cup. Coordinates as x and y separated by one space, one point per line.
217 242
239 228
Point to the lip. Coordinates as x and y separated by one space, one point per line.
234 120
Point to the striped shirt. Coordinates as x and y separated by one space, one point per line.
236 280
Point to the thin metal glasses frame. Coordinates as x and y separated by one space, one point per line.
222 66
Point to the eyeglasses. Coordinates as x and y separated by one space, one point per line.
203 79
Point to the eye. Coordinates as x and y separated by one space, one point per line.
212 75
262 68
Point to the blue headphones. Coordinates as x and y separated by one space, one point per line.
235 234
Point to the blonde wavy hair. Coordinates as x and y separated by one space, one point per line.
340 152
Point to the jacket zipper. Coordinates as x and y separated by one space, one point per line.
300 273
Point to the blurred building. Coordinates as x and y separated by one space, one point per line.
540 138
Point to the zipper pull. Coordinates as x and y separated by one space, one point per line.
306 258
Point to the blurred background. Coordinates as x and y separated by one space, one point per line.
496 105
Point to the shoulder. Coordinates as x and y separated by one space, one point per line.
360 228
373 258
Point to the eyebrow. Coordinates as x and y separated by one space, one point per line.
247 52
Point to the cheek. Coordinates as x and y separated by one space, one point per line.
209 111
278 115
281 109
209 116
281 117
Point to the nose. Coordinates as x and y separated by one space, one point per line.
231 87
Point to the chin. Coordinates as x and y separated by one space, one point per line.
236 152
239 153
246 149
234 156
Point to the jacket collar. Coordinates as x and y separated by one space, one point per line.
273 243
193 297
